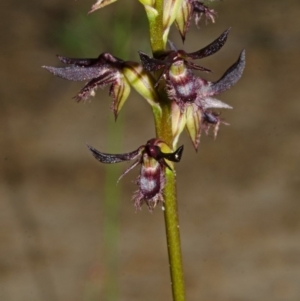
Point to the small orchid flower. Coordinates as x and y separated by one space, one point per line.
99 72
151 180
107 70
192 96
178 59
194 100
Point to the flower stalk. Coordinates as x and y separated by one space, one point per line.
173 238
163 127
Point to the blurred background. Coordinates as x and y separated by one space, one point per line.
68 233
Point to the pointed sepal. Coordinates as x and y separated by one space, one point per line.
100 4
183 18
151 64
230 77
74 73
115 158
170 11
142 82
178 121
210 49
213 103
193 124
120 92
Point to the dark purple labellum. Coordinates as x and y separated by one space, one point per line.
211 117
174 157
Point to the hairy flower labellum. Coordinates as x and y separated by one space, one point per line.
151 180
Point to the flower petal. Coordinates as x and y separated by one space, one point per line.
183 18
115 158
90 88
142 82
213 103
100 4
210 49
75 73
170 11
178 121
151 64
78 62
193 124
230 77
120 92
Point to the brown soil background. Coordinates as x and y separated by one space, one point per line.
239 196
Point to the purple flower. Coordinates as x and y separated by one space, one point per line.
106 70
153 161
192 97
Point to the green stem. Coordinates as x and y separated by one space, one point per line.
163 127
164 132
173 238
156 29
